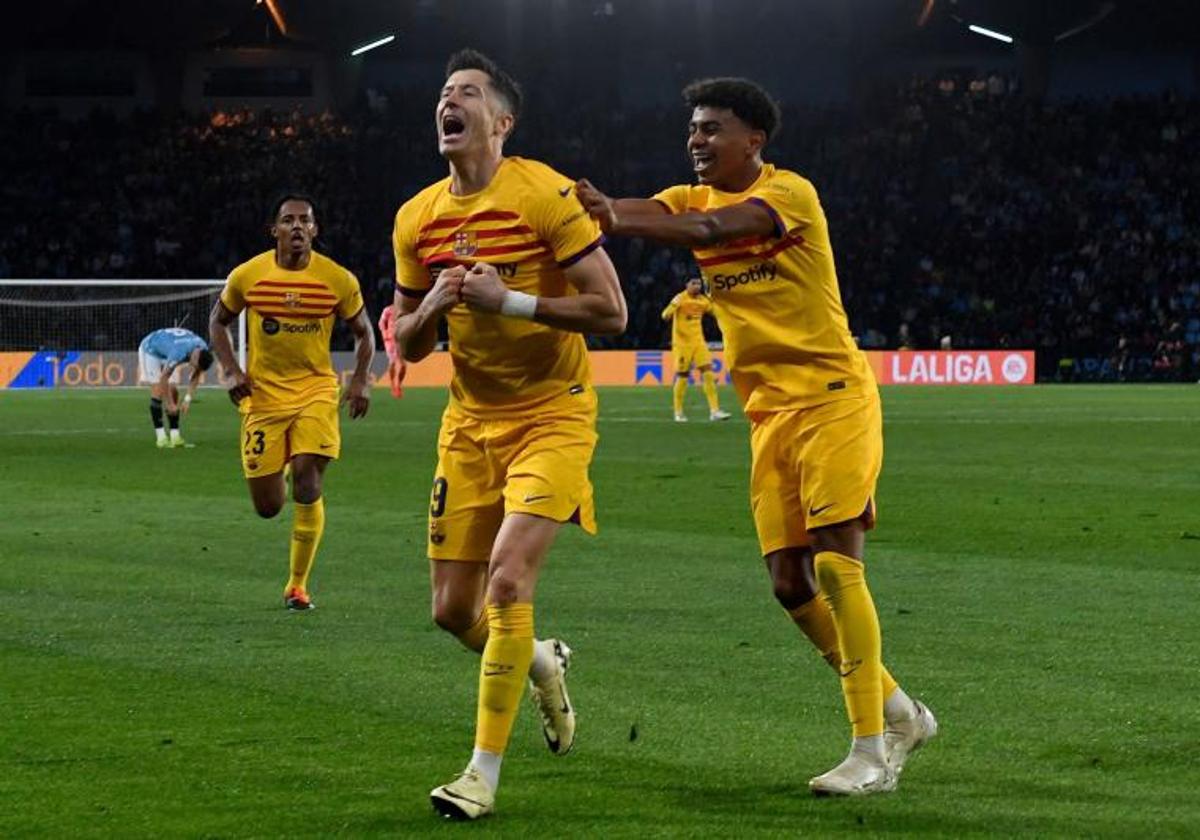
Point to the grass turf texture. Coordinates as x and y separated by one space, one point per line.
1035 570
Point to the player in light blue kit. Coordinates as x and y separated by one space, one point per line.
162 355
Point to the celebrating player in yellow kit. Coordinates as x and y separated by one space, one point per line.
760 237
686 312
288 396
504 251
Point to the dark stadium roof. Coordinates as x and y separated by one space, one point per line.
180 24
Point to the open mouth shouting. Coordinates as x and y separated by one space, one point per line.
452 126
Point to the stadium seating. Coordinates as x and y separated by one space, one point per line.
956 211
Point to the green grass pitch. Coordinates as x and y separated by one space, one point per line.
1035 567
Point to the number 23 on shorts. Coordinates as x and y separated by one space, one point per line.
255 443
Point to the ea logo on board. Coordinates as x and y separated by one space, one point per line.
1014 368
270 326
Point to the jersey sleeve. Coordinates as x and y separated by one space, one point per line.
350 300
412 277
675 198
560 221
791 201
233 296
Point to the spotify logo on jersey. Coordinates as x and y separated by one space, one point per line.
270 326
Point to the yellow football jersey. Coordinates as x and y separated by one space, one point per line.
776 298
687 316
289 326
527 223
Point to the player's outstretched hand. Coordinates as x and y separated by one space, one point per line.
241 387
447 290
358 396
599 206
483 290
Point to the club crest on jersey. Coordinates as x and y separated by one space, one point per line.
291 299
464 244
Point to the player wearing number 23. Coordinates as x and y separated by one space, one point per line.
288 396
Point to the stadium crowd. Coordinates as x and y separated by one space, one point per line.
961 214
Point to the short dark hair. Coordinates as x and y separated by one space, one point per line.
748 101
502 83
205 359
284 198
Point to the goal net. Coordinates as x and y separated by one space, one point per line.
66 333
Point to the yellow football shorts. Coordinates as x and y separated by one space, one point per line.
270 439
488 468
692 353
814 467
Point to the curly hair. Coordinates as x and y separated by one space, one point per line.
748 101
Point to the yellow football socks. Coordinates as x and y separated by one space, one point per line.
677 393
502 674
308 523
816 622
475 636
887 684
710 391
845 588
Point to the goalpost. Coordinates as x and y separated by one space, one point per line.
56 333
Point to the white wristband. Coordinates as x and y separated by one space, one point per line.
518 305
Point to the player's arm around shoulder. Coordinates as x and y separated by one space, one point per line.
653 219
607 211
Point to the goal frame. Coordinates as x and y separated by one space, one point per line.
95 282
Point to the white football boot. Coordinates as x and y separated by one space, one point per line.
468 797
719 415
553 703
856 776
903 738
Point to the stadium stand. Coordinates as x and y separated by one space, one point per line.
962 212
